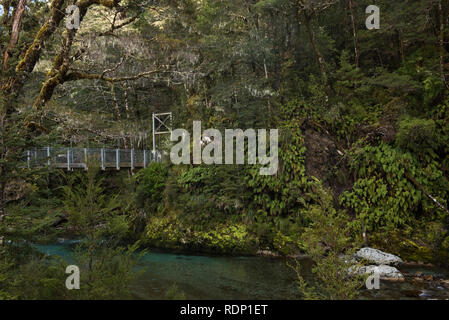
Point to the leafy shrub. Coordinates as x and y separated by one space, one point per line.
213 190
282 194
170 232
151 184
328 242
383 194
174 293
417 135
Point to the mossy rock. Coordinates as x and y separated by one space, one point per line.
170 233
418 254
402 246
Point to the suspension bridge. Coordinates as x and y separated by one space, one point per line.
78 158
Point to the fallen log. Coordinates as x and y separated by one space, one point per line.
420 187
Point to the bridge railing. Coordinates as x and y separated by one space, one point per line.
72 158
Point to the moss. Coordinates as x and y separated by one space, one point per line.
442 252
418 254
285 244
32 53
169 232
421 245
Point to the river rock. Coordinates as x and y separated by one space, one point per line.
418 274
445 283
267 253
385 272
377 257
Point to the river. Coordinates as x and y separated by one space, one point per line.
233 277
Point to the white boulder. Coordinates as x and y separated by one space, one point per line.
377 257
384 272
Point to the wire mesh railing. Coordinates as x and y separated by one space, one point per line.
72 158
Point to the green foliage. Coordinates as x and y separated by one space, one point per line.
171 232
87 205
26 274
213 190
40 278
383 195
418 136
5 266
150 186
251 64
107 268
328 241
282 193
197 178
106 274
173 293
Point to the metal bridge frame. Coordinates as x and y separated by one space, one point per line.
162 124
77 158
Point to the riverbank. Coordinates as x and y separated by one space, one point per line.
168 232
249 277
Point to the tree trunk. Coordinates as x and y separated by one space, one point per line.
318 55
127 108
117 107
420 187
63 60
364 234
296 33
354 33
18 13
441 36
277 52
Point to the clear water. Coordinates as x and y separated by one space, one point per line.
221 277
205 277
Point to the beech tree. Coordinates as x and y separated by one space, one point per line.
30 32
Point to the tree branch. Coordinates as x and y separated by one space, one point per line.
74 76
420 187
121 25
63 61
33 52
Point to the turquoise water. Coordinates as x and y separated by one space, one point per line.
202 277
221 277
63 250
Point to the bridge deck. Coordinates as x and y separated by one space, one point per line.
77 158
